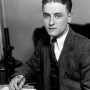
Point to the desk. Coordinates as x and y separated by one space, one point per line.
26 87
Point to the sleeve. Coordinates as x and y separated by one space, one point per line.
30 67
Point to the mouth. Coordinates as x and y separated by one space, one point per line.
52 28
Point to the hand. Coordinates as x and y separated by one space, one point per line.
17 83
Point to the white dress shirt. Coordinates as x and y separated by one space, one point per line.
58 45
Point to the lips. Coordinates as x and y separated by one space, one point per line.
52 28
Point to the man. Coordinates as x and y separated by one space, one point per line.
64 67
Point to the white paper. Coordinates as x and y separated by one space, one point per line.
5 88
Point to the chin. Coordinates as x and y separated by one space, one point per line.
53 35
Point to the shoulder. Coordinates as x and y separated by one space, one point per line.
79 38
44 41
81 42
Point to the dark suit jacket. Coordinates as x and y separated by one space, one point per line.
74 64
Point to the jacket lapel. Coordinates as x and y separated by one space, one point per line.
46 71
64 57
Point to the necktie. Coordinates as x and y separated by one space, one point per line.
52 44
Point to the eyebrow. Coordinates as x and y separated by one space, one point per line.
44 13
54 13
58 13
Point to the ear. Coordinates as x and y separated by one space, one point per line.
70 17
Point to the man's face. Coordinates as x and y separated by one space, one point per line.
56 18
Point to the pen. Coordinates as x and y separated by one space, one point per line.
22 78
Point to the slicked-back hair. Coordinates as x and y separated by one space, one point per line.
68 3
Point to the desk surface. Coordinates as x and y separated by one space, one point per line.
26 87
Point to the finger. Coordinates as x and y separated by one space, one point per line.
11 87
12 84
15 83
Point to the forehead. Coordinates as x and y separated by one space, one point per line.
54 7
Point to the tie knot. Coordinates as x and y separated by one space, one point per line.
53 40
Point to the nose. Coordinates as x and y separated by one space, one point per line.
51 22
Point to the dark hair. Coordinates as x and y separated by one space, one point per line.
67 2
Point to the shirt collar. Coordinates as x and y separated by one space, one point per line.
60 40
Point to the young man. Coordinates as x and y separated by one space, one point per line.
64 67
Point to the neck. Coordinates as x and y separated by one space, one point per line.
65 30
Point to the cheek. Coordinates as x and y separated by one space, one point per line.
45 23
61 25
62 22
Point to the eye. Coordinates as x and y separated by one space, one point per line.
46 15
58 16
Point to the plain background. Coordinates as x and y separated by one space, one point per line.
24 16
